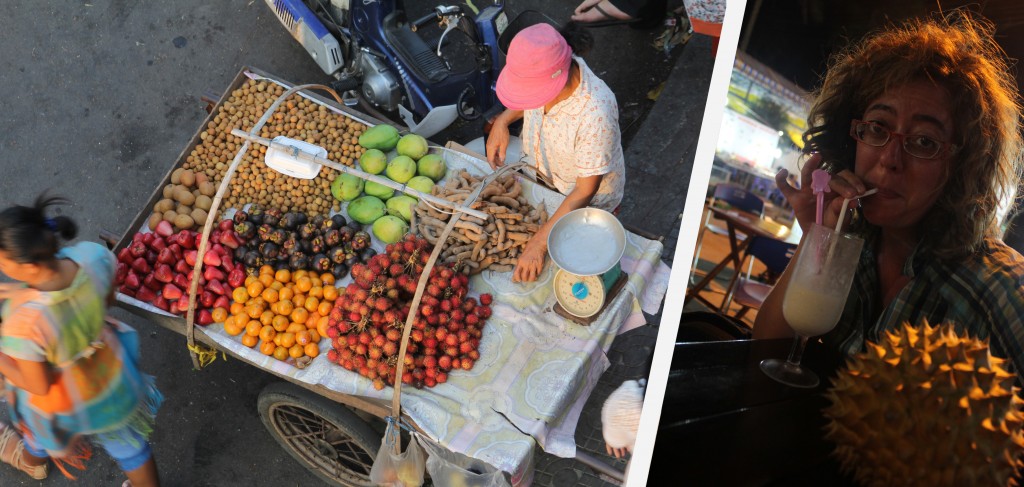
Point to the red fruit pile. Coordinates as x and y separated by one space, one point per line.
365 325
156 267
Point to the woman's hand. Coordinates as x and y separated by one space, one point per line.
845 184
497 144
531 261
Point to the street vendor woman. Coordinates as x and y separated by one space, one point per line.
570 127
926 113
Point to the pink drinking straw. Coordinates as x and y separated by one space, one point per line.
819 184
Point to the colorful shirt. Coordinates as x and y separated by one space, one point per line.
98 387
983 295
579 137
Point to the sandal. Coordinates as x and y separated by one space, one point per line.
16 457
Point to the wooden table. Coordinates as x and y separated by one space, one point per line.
749 225
724 422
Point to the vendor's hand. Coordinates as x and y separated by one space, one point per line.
497 144
530 263
845 184
9 289
617 452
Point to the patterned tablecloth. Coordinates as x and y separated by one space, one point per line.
536 369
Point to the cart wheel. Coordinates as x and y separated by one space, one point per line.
328 439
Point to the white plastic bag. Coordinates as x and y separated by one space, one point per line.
452 469
401 470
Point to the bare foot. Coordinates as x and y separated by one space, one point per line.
598 11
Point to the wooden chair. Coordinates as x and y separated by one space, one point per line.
748 292
736 197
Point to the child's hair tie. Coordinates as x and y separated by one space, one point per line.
51 224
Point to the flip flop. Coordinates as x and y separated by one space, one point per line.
610 20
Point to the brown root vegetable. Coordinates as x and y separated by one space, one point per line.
183 222
164 205
188 178
184 196
176 175
155 220
199 216
170 215
204 202
169 191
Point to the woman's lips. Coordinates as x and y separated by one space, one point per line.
886 193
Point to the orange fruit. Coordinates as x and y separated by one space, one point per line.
253 328
270 294
298 300
312 350
267 333
311 304
316 281
283 275
250 280
281 353
302 338
314 337
299 273
287 339
285 307
240 295
316 292
232 329
277 285
254 311
330 293
299 315
255 288
267 348
303 284
266 269
267 317
296 351
324 308
286 294
259 301
295 327
322 325
219 315
249 340
280 323
327 278
236 307
267 280
311 321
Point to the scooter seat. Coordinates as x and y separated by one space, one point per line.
417 54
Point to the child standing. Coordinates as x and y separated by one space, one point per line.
69 376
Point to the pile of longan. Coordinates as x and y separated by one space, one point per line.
297 118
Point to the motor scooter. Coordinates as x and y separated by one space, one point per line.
431 70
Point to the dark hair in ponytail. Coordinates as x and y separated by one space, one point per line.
28 236
579 38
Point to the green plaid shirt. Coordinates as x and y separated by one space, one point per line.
983 294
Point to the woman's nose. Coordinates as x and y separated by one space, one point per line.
892 154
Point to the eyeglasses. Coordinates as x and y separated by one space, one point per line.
919 146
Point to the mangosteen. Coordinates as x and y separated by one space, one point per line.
321 263
239 253
332 237
256 214
290 245
280 265
291 221
269 250
351 259
337 255
297 261
245 230
339 221
252 259
360 240
278 236
305 246
355 226
263 232
346 234
318 221
307 231
317 245
240 216
339 271
366 254
272 216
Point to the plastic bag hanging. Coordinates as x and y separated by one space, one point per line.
397 470
455 469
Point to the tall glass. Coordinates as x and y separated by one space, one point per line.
815 297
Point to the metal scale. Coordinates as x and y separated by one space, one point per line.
586 244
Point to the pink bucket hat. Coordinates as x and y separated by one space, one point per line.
536 68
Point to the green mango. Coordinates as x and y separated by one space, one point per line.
373 161
379 190
366 209
346 187
383 137
390 229
412 146
401 206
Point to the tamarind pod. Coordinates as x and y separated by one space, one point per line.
507 261
505 200
428 236
516 190
471 263
490 228
520 236
501 229
433 222
522 200
458 198
433 213
501 268
470 236
477 205
466 255
510 216
495 209
463 238
477 253
460 248
487 261
470 226
491 190
474 220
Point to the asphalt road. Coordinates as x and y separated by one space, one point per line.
101 96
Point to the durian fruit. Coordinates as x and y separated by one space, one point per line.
926 406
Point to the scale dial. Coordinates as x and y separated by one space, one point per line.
581 296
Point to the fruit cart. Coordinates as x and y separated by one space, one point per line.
535 369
